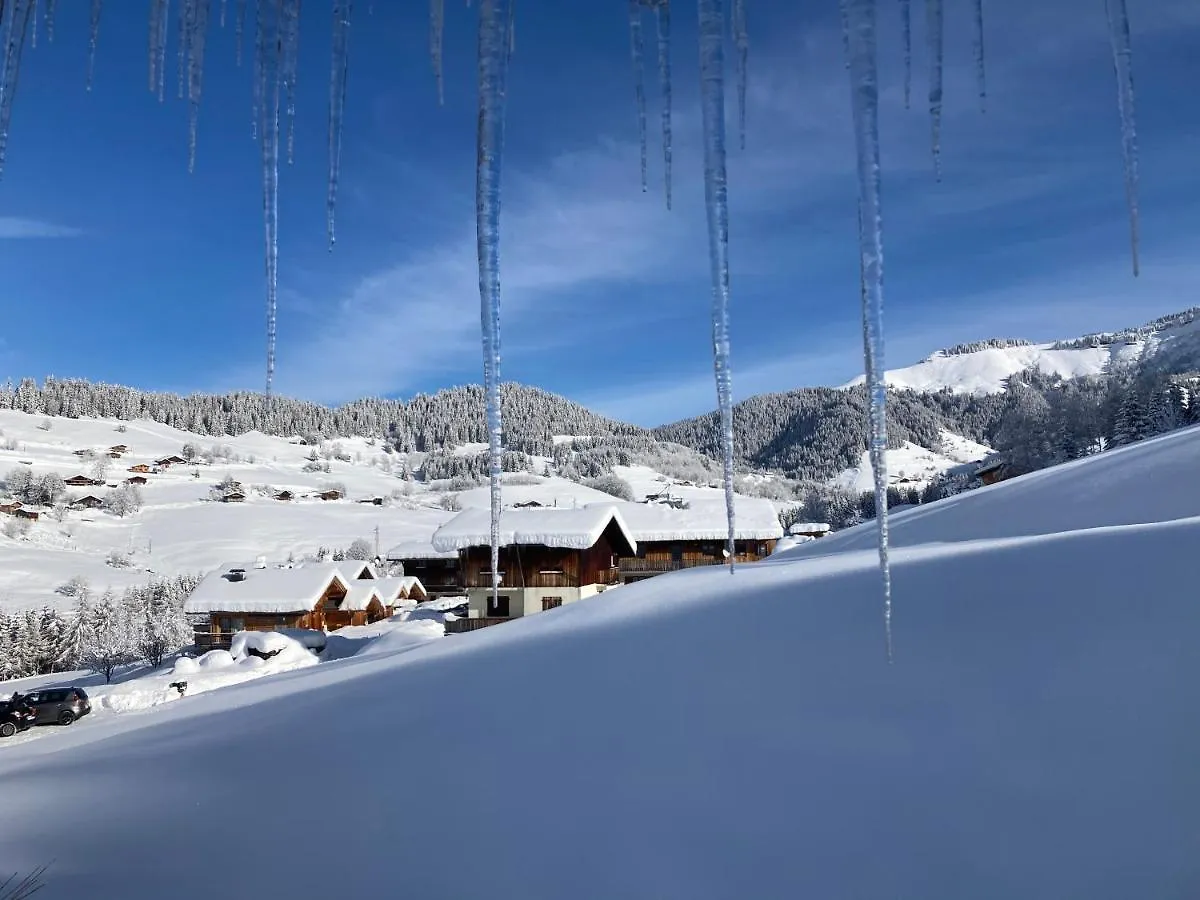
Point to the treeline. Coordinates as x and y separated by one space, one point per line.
145 623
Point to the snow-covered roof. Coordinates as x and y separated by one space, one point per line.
353 569
419 550
755 519
571 529
397 588
360 595
263 590
809 528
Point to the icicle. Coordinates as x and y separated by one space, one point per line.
1122 49
156 12
198 25
906 28
935 39
858 22
712 105
51 7
268 71
437 27
239 28
494 49
186 14
161 47
741 42
342 10
93 38
33 35
980 68
16 26
639 86
664 79
222 23
291 64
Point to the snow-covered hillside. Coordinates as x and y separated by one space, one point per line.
912 466
704 735
983 371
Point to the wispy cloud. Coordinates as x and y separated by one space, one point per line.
14 228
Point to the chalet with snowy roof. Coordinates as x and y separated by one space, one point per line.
684 534
118 448
89 502
261 597
29 514
285 496
233 495
83 481
548 557
331 494
168 461
10 507
140 468
437 570
994 470
400 589
137 479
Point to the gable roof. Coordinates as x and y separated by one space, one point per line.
419 550
569 529
263 590
360 595
398 588
755 519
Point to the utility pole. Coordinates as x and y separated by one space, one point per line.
377 542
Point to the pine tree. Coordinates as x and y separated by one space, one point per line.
108 646
1132 423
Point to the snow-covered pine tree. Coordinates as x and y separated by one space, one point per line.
109 646
1132 423
77 635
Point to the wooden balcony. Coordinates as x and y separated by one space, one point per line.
646 567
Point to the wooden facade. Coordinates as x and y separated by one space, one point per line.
140 468
658 557
536 566
439 576
322 617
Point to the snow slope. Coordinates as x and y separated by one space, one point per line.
703 735
913 466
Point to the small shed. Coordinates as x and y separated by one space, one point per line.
332 494
118 448
285 496
809 529
137 479
26 514
91 501
233 497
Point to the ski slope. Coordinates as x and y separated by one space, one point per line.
704 735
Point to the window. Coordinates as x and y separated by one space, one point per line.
497 606
551 603
230 625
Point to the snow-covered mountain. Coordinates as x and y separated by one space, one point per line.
982 368
704 735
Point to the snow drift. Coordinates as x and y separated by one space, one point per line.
704 735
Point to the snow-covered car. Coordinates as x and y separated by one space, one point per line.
14 717
59 705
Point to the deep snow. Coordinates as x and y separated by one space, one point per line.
707 735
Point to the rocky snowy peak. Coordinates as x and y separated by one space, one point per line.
982 367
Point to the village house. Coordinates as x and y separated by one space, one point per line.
233 495
397 589
438 571
83 481
140 468
331 494
89 502
261 597
10 507
137 479
118 448
168 461
683 534
285 496
26 514
994 470
548 557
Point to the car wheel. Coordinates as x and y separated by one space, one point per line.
7 729
66 717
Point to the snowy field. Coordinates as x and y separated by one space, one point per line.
703 735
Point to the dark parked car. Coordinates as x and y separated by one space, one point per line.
59 705
14 717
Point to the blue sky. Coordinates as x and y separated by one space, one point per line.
119 266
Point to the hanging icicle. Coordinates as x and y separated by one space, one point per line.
639 85
437 28
291 65
494 50
197 21
906 29
980 67
935 40
663 10
157 11
33 26
161 47
712 106
268 65
51 8
342 10
858 22
93 39
1122 50
741 43
186 12
222 17
16 26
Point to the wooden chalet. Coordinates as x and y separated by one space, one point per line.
809 529
26 514
233 496
548 557
89 502
994 470
331 494
168 461
394 591
258 597
438 571
285 496
83 481
118 448
137 479
10 507
675 534
140 468
372 501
